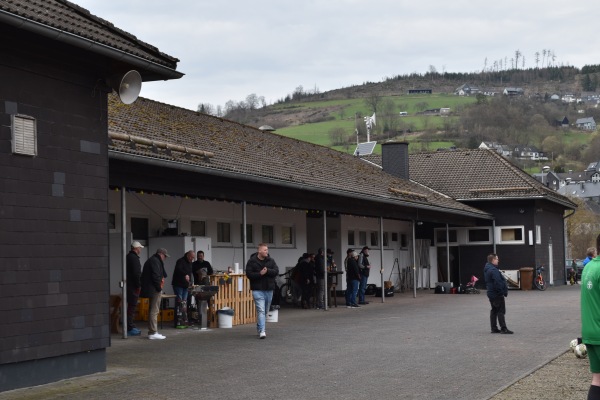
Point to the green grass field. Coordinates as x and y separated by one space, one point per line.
318 133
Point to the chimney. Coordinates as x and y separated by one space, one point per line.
394 158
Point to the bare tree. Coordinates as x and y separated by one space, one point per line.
252 101
206 108
537 59
373 100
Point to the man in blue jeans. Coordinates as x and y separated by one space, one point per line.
352 279
261 271
364 265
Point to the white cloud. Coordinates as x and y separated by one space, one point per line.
230 49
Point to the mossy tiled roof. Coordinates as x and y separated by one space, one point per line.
245 150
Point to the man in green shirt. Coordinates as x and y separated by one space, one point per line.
590 320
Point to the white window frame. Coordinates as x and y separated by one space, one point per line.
498 234
538 234
24 135
293 233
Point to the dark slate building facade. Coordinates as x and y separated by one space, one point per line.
56 60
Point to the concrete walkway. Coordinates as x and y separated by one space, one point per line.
429 347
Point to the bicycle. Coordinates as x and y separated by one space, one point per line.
539 282
287 296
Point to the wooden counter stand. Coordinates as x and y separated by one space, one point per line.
229 295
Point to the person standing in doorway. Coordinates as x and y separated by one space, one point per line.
134 273
497 290
590 317
365 266
153 280
261 271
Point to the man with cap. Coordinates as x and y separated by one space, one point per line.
364 265
134 272
153 280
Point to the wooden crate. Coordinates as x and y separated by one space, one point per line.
142 310
235 294
166 315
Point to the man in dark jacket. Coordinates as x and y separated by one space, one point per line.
153 280
182 278
201 270
497 290
134 272
307 279
365 266
352 279
261 271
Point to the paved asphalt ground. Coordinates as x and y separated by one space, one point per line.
429 347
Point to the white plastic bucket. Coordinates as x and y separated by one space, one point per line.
273 316
225 317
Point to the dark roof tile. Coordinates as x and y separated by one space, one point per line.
69 17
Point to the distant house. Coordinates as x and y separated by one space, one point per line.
511 91
528 226
587 124
563 123
466 90
419 91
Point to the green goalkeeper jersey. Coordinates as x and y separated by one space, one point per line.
590 302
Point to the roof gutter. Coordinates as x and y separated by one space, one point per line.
259 179
157 71
570 206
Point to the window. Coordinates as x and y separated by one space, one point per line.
362 238
249 237
510 235
440 235
223 232
374 239
198 228
386 242
268 235
139 229
403 241
24 136
394 236
287 235
479 235
538 234
112 221
350 238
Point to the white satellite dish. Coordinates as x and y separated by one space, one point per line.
128 86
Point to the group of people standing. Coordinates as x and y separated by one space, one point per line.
357 266
149 283
308 278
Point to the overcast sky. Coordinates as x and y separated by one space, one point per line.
229 49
